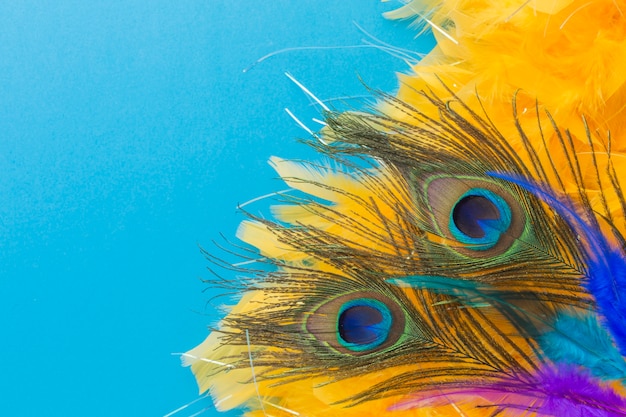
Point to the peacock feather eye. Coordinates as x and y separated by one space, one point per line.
363 324
358 323
482 216
479 217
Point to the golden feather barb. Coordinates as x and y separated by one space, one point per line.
457 254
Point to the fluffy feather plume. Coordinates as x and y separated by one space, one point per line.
460 251
563 53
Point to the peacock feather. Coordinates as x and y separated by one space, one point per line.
459 250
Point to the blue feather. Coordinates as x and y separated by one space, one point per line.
579 339
470 293
606 275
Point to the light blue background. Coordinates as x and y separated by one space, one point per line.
128 135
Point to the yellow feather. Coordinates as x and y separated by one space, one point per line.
559 56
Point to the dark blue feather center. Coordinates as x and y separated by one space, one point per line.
479 218
469 212
363 324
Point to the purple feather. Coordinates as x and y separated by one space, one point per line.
555 391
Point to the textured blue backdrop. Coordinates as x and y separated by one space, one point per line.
128 134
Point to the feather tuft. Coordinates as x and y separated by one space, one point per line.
579 340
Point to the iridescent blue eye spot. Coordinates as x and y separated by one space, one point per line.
363 324
470 211
479 218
